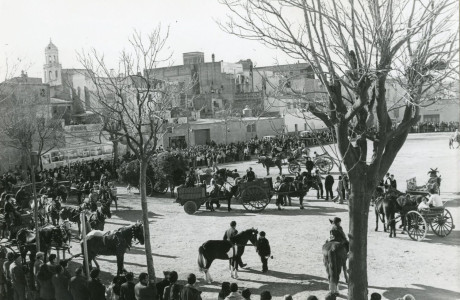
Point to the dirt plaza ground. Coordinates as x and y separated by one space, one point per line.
396 266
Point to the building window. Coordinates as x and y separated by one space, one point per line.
296 128
55 72
251 128
431 118
305 126
49 57
50 76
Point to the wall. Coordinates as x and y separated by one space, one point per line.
237 130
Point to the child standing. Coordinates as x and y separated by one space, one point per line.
263 249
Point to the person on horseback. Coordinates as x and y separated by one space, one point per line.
337 234
229 234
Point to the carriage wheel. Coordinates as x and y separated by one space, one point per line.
254 198
416 226
443 224
149 186
190 207
324 164
294 168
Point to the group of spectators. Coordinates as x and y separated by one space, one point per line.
434 127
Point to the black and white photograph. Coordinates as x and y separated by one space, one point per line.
229 150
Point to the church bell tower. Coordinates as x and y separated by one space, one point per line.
52 67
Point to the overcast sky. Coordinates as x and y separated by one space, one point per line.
26 27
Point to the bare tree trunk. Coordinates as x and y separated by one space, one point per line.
359 215
115 153
145 218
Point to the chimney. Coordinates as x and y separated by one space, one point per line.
213 57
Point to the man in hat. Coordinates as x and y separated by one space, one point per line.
337 234
231 232
264 251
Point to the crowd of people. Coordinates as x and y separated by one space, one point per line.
427 126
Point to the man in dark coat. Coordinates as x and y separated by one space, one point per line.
318 179
78 286
264 251
127 288
21 198
160 286
189 292
309 165
251 176
96 288
328 183
172 292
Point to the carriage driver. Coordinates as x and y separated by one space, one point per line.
434 200
229 233
250 175
337 233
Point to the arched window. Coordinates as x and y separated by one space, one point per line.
54 58
55 72
49 58
50 74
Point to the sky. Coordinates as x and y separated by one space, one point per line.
26 27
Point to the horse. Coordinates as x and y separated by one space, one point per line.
113 243
72 214
454 138
96 220
335 259
52 210
389 204
224 192
49 234
41 205
225 250
268 162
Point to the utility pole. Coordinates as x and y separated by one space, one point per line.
34 162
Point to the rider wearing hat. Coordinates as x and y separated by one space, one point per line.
229 233
337 233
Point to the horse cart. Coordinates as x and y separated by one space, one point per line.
254 195
438 218
324 163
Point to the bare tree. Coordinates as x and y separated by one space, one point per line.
136 102
354 47
27 125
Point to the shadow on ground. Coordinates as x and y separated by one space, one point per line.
285 211
133 215
421 292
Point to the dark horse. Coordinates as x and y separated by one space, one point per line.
335 259
225 250
115 242
390 203
97 219
268 162
72 214
49 235
222 193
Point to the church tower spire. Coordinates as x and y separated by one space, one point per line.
52 68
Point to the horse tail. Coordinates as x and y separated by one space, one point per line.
201 259
334 268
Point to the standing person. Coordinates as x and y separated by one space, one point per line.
339 191
38 262
345 187
309 164
78 286
45 286
6 272
160 286
328 183
189 292
2 274
96 288
145 290
172 292
234 294
30 277
318 178
61 284
18 279
21 198
393 183
127 288
231 232
264 251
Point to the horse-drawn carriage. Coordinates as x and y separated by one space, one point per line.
323 162
254 195
438 218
